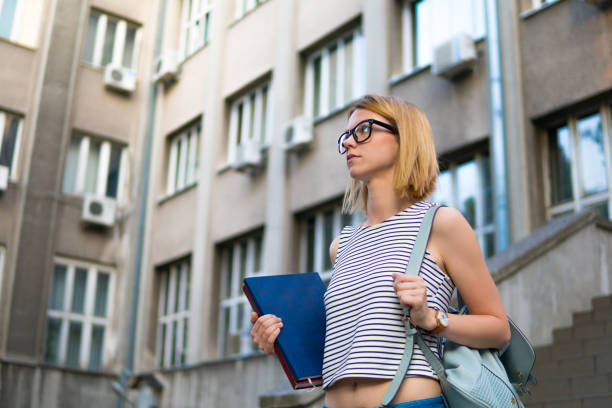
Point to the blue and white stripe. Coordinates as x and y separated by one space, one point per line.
364 334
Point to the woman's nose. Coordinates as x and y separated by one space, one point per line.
349 142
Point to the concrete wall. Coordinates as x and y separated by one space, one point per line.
29 386
572 268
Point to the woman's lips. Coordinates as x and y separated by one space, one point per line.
349 157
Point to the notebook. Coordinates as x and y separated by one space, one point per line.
298 300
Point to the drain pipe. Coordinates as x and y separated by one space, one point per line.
142 219
498 128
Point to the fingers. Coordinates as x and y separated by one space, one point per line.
254 317
265 331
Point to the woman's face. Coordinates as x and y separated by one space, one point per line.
377 155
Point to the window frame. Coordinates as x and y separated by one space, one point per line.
244 7
183 269
103 167
13 173
321 250
262 138
480 228
237 297
358 74
182 172
577 202
206 8
118 41
87 319
410 38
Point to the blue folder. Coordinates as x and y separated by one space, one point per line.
298 300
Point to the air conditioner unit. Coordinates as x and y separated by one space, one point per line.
298 134
98 210
4 176
602 4
166 67
454 56
120 78
248 156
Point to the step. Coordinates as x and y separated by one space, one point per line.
600 363
592 329
596 401
574 348
578 386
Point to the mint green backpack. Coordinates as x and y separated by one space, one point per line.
469 377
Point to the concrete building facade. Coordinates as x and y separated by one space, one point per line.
156 153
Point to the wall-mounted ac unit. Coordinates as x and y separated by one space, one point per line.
120 78
298 134
4 176
454 57
98 210
248 156
602 4
166 67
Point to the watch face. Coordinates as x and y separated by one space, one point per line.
443 317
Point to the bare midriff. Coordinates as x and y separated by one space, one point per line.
369 392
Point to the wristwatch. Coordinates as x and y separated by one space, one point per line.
441 322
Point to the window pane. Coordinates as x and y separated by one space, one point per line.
592 156
227 330
109 40
239 127
185 334
258 254
74 344
206 27
349 68
489 247
603 209
52 346
560 166
173 349
252 135
78 291
163 346
93 161
128 49
167 293
467 190
58 287
444 188
112 180
328 237
310 244
264 113
97 348
346 220
101 294
243 261
228 272
177 287
316 94
7 15
9 140
187 285
90 37
72 162
333 76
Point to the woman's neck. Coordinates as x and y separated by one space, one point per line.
384 202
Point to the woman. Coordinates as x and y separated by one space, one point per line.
391 158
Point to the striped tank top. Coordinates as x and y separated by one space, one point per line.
364 335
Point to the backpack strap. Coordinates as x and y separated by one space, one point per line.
413 268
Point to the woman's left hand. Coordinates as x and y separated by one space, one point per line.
412 294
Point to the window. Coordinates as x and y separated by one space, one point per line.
467 186
335 75
94 166
244 6
195 26
249 120
111 40
173 314
183 160
240 259
10 135
318 230
580 164
2 255
78 317
10 16
427 23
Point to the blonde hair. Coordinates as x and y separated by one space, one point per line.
416 168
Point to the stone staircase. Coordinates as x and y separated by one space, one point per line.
576 370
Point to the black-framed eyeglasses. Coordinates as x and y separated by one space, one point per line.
362 132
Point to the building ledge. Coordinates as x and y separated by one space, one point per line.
512 260
285 396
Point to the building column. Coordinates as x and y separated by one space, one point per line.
376 20
35 244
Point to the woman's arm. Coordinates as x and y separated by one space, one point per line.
456 246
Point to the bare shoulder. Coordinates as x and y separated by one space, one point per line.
333 249
449 220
